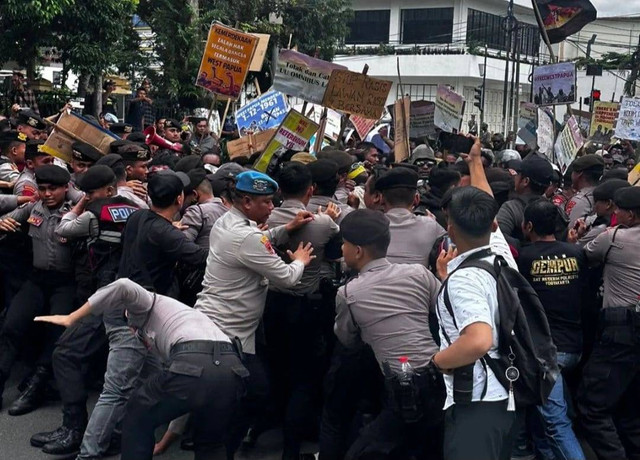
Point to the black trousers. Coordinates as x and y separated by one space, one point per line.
203 383
44 293
610 389
479 431
390 437
292 336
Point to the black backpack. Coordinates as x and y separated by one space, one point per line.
524 337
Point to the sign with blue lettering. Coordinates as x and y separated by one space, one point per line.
120 213
262 113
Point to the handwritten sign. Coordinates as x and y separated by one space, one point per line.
226 60
362 125
357 94
449 109
554 84
421 119
264 112
603 121
544 134
248 145
401 128
302 76
628 124
261 51
568 143
294 133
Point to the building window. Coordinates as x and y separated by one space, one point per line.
369 27
427 25
485 28
420 92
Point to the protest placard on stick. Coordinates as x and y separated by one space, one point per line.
356 94
449 109
628 123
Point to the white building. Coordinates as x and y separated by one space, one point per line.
442 42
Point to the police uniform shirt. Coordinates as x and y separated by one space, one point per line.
317 232
581 205
26 184
8 170
50 251
8 203
240 266
86 224
163 321
318 200
387 306
621 264
412 237
341 195
199 219
127 192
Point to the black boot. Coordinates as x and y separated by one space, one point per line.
72 430
34 395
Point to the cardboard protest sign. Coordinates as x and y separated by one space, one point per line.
527 126
249 144
568 143
226 60
554 84
584 120
294 133
628 123
421 119
544 133
356 93
332 126
261 51
362 125
302 76
449 109
634 176
603 121
72 127
401 128
264 112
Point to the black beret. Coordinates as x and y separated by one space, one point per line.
52 174
30 118
115 145
96 177
196 176
590 161
627 198
188 163
8 137
342 159
34 148
323 170
137 137
615 173
606 190
82 151
111 160
398 178
172 123
133 151
121 128
166 185
363 227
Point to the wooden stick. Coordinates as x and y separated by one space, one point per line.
320 134
213 104
255 82
224 117
545 36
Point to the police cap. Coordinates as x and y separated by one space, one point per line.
256 183
165 186
588 162
52 174
196 177
96 177
364 227
398 178
606 190
30 118
34 149
342 159
82 151
537 169
137 137
111 160
231 169
188 163
121 128
172 123
8 137
134 152
323 170
115 145
627 198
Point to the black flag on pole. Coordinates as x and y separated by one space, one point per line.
561 18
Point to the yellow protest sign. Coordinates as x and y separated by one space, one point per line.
226 60
356 93
294 133
603 121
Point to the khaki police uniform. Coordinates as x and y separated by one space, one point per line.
8 170
412 237
200 218
580 205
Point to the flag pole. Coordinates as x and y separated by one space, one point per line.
545 37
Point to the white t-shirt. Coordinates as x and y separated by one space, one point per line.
474 298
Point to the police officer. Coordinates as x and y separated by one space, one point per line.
122 130
324 173
31 124
610 380
50 287
115 162
83 156
586 173
412 237
203 375
387 307
240 266
12 155
100 219
34 156
135 158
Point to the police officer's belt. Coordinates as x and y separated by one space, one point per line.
203 346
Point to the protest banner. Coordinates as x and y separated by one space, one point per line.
362 125
628 122
544 133
526 113
603 121
225 61
356 94
449 109
72 127
527 126
421 119
249 144
332 125
261 51
264 112
554 84
302 76
401 115
583 118
568 143
294 133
